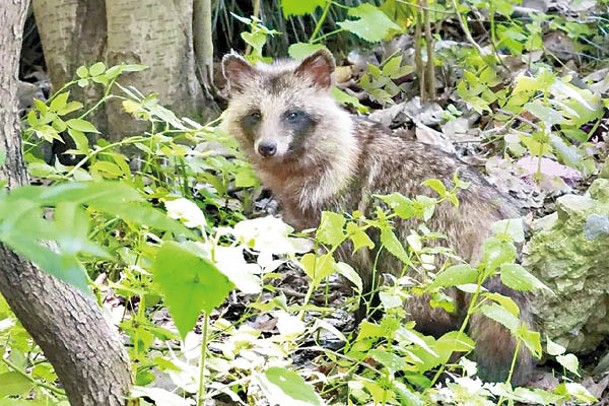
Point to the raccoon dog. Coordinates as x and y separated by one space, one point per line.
315 156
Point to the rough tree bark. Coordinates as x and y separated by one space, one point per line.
73 33
84 349
156 33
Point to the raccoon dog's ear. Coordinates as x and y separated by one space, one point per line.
318 68
237 71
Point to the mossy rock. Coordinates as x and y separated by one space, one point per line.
569 252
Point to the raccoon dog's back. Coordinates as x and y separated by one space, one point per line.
314 156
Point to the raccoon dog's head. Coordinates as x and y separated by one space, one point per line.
277 111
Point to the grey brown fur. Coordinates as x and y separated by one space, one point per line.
315 156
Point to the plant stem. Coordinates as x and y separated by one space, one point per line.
418 58
512 367
470 311
430 77
468 34
106 96
321 20
128 141
31 379
201 392
323 37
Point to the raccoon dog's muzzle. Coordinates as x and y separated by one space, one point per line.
266 148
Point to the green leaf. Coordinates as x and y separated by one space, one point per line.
317 267
370 330
107 169
516 277
41 170
393 68
48 133
425 207
455 275
92 193
245 178
350 274
394 246
358 237
59 101
80 139
346 99
496 253
113 198
81 125
575 390
59 125
72 228
189 284
548 115
255 39
116 70
301 50
393 362
143 215
502 316
442 349
532 340
82 72
569 362
455 341
284 387
554 348
330 230
402 206
14 384
504 301
537 396
97 69
69 108
159 396
25 231
512 227
526 84
436 185
372 24
300 8
567 154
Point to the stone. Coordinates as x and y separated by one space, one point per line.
569 252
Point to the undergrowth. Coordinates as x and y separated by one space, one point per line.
168 233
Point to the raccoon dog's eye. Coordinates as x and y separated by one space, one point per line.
294 115
251 120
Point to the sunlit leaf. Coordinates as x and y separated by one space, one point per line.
569 362
301 50
189 284
81 125
300 8
284 387
372 24
516 277
330 230
455 275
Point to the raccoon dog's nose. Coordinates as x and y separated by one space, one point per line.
267 148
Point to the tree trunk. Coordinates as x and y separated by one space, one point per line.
204 47
156 33
85 351
73 33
